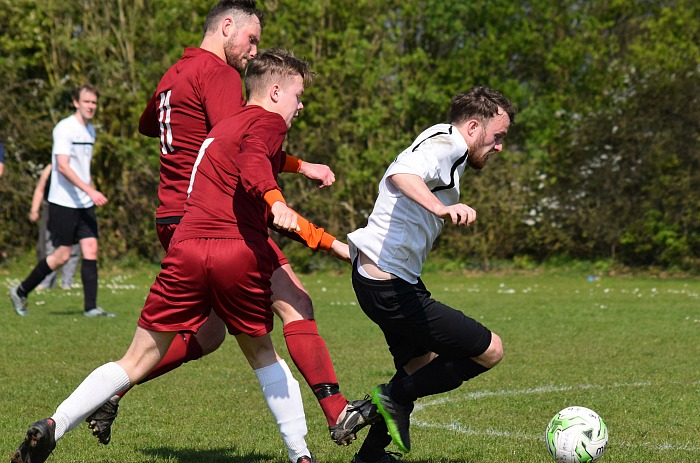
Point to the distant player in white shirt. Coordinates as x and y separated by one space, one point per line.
435 347
72 200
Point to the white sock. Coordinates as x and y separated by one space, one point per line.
95 390
283 397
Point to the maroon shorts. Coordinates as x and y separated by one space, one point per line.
230 276
166 231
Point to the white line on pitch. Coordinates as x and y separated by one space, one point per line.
457 427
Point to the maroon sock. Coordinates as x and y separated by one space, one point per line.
310 354
183 349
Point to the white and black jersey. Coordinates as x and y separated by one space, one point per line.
71 137
400 233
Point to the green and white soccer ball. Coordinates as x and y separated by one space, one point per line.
576 435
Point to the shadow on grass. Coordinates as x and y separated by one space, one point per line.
221 455
433 460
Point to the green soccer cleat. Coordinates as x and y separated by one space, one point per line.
397 417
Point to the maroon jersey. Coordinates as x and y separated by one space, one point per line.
238 163
195 94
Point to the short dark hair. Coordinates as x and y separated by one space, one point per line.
274 62
236 8
480 103
87 87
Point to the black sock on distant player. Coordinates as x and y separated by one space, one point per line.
35 277
88 273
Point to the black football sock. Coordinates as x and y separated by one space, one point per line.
88 273
377 440
35 277
378 437
440 375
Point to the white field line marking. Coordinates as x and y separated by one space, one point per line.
457 427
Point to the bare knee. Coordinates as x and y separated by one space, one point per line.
211 334
290 301
493 354
59 257
293 306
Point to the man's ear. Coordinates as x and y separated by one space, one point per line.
228 27
76 104
472 127
275 93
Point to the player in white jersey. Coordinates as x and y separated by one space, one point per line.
435 347
72 201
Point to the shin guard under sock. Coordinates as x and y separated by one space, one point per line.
283 398
95 390
310 355
440 375
36 276
88 273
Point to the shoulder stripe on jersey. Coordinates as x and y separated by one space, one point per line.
452 173
83 143
449 132
456 164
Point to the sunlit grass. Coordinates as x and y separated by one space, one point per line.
627 348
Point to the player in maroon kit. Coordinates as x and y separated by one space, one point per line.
220 257
196 93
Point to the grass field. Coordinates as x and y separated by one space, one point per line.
628 348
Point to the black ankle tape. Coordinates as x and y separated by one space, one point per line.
324 390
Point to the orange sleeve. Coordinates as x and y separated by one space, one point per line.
272 196
308 234
291 164
314 237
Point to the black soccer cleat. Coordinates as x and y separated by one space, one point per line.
305 459
397 417
388 457
100 422
358 414
38 443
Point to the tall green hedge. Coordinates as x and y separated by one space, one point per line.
602 163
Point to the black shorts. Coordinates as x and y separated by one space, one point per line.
414 324
68 225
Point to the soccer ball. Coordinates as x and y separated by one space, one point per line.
576 435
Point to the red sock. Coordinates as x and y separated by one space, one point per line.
183 349
310 354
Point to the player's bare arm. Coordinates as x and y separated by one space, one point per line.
65 169
38 195
320 172
414 188
340 251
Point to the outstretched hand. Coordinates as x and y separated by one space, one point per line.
319 172
459 214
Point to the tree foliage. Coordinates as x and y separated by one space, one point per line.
602 163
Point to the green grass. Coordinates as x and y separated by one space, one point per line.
628 348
